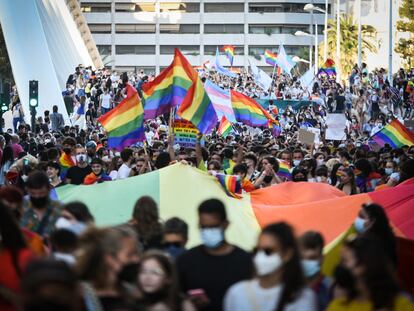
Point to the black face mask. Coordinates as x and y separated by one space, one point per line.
128 273
67 150
267 179
40 202
299 179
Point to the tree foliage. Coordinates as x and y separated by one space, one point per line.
405 47
5 67
349 42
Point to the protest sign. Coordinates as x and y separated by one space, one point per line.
317 133
306 137
336 124
185 133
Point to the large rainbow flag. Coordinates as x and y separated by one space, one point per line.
248 111
395 134
124 123
180 85
328 68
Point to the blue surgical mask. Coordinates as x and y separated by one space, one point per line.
212 237
397 160
388 171
296 162
310 267
174 251
359 224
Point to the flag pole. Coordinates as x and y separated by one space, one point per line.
273 75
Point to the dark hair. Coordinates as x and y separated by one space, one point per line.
217 165
311 240
163 160
334 170
55 108
407 170
64 240
213 206
240 168
12 237
37 180
364 166
381 229
54 165
377 275
113 166
97 161
252 157
126 154
350 172
176 225
8 155
321 170
79 210
147 219
292 277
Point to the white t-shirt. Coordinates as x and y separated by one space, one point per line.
124 171
249 296
106 101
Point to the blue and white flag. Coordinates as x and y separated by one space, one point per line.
221 69
284 61
261 78
307 79
221 101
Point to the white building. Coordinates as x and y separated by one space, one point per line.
134 35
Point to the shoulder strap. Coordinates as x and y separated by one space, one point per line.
90 299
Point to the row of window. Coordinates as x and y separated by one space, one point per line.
190 49
195 28
187 7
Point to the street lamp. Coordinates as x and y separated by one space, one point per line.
300 33
297 59
310 8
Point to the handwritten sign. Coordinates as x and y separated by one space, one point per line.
185 133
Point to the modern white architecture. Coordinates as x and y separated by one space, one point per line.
134 35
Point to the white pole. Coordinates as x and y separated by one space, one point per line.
390 46
310 46
359 34
325 39
316 49
338 41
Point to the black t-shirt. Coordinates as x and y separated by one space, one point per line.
77 174
197 269
340 103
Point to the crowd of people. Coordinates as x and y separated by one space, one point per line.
53 257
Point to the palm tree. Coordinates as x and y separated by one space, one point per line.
349 42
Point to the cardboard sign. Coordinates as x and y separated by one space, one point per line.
306 137
317 133
336 125
185 133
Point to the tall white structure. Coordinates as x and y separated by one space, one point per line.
134 35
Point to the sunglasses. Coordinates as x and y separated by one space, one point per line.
171 244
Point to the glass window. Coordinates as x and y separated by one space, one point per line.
134 7
95 7
104 49
260 50
223 7
182 7
264 29
100 28
224 28
135 49
135 28
185 49
282 7
180 28
211 50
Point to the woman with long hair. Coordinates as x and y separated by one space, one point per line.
279 283
367 279
157 280
146 221
6 162
14 256
347 182
17 112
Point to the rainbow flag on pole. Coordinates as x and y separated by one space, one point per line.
231 185
328 68
395 134
229 50
284 170
248 111
124 123
225 127
270 58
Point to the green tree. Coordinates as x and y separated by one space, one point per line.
405 47
5 67
349 43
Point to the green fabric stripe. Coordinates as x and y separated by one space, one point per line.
177 81
202 108
112 202
128 127
391 136
244 111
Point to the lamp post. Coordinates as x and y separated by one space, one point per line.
338 40
297 59
310 8
305 34
359 34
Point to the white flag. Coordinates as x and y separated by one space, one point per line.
307 79
261 78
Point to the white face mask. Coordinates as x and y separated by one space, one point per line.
62 223
318 179
80 158
296 162
266 264
320 162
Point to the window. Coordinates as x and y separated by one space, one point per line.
95 7
135 28
264 29
135 49
290 49
136 69
182 7
100 28
223 7
224 28
104 49
180 28
211 50
185 49
282 7
134 7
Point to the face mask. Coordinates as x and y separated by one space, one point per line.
174 251
359 224
39 202
62 223
318 179
397 160
128 273
80 158
299 179
266 264
25 178
388 171
320 162
105 158
212 237
310 267
267 179
296 162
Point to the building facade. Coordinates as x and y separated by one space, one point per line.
136 35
